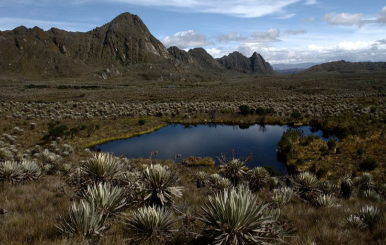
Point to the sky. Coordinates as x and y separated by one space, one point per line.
282 31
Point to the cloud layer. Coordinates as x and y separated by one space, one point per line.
186 39
245 9
347 19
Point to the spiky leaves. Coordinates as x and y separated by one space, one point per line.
259 176
370 215
282 196
159 185
367 216
107 198
233 216
83 220
103 167
150 224
364 182
32 170
11 171
201 179
235 170
219 183
326 201
308 186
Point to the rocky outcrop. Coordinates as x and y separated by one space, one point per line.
194 59
254 64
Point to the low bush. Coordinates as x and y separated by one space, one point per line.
369 164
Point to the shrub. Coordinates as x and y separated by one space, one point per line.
55 131
152 225
83 220
326 201
219 183
198 161
331 143
102 167
233 169
346 187
141 122
244 109
286 146
107 198
158 185
5 154
369 164
234 216
364 182
368 216
308 185
282 196
258 178
262 111
11 172
296 115
32 170
201 179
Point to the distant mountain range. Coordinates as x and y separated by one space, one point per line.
344 67
119 48
303 66
125 47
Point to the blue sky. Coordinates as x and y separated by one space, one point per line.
282 31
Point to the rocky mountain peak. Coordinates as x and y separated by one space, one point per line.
254 64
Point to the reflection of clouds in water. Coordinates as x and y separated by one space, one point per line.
206 140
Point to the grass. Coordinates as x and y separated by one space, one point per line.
33 208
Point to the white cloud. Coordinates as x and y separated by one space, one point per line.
381 18
296 32
186 39
271 35
244 9
286 17
343 19
310 2
309 20
215 52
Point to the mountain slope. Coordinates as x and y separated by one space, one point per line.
122 47
341 67
124 41
254 64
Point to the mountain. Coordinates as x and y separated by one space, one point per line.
122 42
342 67
123 47
196 58
254 64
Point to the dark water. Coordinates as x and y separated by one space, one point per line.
208 140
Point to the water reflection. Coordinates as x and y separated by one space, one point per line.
208 140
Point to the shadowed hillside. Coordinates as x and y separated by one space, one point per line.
342 67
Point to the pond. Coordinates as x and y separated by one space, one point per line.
208 140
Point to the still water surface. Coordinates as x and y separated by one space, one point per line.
208 140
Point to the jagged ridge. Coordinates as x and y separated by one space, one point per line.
254 64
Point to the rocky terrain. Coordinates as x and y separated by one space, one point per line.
254 64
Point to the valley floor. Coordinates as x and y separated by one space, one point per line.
52 122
